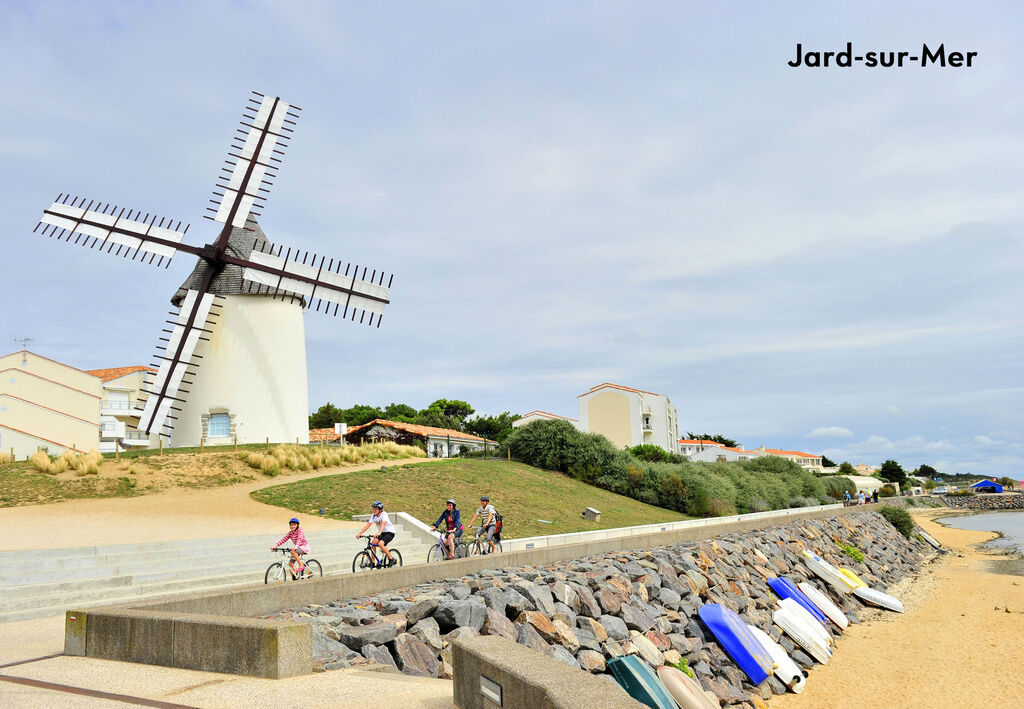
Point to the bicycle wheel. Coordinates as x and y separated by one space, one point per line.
313 569
462 550
498 548
362 562
475 549
435 554
397 555
275 573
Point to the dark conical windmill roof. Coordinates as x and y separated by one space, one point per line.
229 281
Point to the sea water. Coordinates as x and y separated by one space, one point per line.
1011 524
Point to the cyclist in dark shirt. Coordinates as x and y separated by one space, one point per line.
453 527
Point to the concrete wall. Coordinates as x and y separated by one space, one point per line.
47 423
253 368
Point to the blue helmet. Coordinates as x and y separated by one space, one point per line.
293 520
378 505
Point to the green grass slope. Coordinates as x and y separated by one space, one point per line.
521 493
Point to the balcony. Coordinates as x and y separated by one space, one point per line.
115 408
135 438
111 429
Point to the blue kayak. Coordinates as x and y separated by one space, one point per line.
640 682
737 640
785 589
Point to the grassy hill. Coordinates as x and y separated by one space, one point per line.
521 493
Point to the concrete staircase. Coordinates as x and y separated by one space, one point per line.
47 582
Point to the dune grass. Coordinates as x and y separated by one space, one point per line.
521 493
296 457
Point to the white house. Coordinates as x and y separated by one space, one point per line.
723 454
807 461
688 446
629 417
542 416
120 408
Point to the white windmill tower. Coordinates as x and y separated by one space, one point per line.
232 362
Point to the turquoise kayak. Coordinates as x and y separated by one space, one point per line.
640 682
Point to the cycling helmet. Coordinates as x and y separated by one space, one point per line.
485 498
451 502
378 505
293 519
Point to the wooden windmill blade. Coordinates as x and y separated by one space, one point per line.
315 279
196 316
252 161
109 227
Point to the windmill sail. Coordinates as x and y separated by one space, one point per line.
109 227
196 316
253 161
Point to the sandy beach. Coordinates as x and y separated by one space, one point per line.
959 644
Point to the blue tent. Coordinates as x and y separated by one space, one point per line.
987 486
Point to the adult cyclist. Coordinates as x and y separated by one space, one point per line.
488 519
453 527
385 531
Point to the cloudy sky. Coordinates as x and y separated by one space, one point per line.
642 193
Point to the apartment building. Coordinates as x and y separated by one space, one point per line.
542 416
120 408
629 417
807 461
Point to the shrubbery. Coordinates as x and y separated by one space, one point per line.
836 485
698 489
887 491
898 518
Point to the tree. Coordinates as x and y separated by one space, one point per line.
927 471
360 414
846 469
496 428
400 412
650 453
326 416
717 438
827 462
893 472
445 413
930 484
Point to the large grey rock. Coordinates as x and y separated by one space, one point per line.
379 654
391 607
562 655
461 613
496 623
494 598
516 603
539 595
429 632
615 627
413 657
324 646
357 636
528 636
421 609
636 619
585 603
651 654
591 661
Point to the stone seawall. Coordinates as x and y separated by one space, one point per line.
987 501
583 612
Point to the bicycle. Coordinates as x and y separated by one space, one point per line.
479 546
436 553
279 571
372 558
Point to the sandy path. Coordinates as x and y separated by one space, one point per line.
175 513
955 646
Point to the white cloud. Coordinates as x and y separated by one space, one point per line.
892 409
831 432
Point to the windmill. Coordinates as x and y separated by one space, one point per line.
232 361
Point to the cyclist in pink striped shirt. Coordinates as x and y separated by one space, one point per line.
300 542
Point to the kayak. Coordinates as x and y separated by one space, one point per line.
796 628
686 690
785 669
735 638
851 578
830 609
640 682
812 623
870 595
785 589
827 572
929 538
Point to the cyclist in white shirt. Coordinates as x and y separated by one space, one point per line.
385 531
487 515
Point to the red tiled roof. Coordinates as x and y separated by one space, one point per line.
316 435
547 415
616 386
419 430
778 451
706 443
117 372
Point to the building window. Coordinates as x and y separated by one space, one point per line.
220 426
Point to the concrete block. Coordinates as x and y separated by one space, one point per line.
75 633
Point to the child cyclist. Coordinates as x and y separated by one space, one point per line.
385 531
301 546
453 527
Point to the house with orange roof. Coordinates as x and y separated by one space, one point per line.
723 454
542 416
438 442
629 417
121 406
45 404
807 461
689 446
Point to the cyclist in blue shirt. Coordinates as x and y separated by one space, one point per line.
453 527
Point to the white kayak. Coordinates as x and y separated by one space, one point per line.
797 629
825 605
827 572
805 615
929 538
686 690
785 669
878 598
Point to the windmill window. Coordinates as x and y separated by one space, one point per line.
220 425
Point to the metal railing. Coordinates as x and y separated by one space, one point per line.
116 405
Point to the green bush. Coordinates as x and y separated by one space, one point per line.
962 493
898 518
836 485
887 491
650 453
851 551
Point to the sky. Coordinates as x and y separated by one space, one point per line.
825 259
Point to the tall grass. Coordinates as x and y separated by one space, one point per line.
298 458
81 463
6 458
